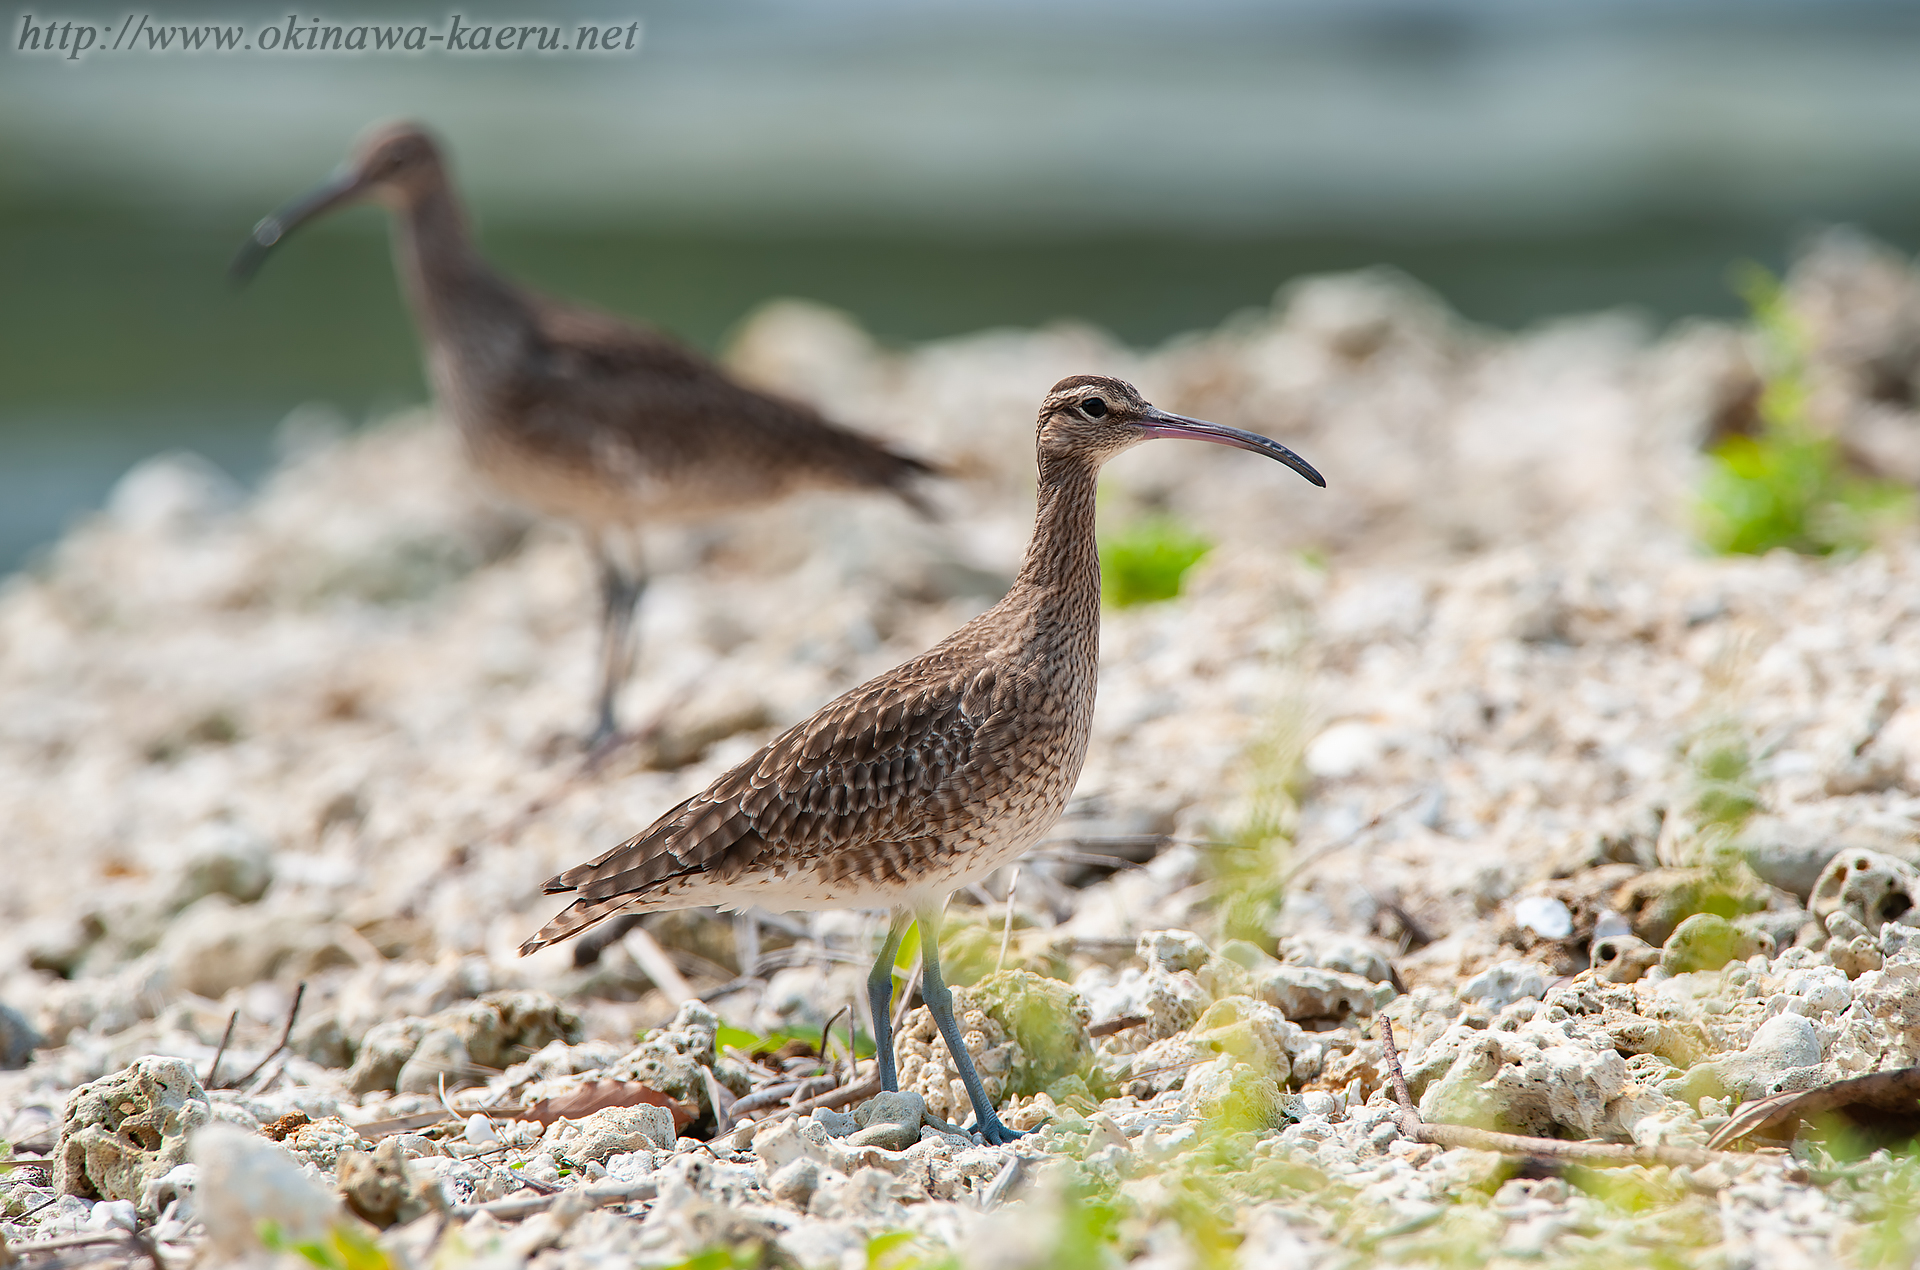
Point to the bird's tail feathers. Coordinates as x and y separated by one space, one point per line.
579 916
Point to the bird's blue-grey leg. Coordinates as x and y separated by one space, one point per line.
939 999
622 582
880 998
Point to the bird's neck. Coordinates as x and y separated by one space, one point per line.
449 286
1060 579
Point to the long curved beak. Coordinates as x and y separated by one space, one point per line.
342 187
1159 423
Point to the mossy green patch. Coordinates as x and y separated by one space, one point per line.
1045 1017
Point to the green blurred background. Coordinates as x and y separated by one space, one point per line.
933 168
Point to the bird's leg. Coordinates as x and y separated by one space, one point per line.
880 998
622 582
939 999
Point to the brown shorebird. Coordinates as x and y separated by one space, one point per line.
577 414
931 776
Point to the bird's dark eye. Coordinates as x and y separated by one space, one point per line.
1094 408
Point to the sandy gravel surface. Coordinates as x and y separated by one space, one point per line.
1453 741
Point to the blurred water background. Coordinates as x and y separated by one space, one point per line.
933 168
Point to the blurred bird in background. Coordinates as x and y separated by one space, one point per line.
576 414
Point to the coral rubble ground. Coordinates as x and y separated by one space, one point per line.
1618 834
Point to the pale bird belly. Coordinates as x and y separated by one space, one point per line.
608 483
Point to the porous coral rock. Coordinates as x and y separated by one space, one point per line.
1851 948
490 1031
1333 950
1881 1028
1173 950
439 1061
1308 992
1784 1054
610 1131
1043 1018
380 1187
1168 1001
321 1142
1548 1076
125 1130
1527 694
1250 1031
1623 958
499 1028
384 1051
1504 983
926 1067
1232 1096
670 1059
1871 887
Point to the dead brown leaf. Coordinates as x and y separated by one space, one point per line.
1885 1104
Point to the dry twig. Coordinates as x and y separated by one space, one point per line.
526 1205
286 1034
222 1051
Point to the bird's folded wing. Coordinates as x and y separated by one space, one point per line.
895 761
670 406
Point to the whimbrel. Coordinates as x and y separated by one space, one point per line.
931 776
576 414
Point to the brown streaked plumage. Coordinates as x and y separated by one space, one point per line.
934 774
577 414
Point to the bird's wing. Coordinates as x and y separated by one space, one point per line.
676 411
893 763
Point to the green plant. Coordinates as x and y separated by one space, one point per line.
906 1250
1890 1214
1724 795
738 1038
1146 560
751 1255
342 1248
1088 1236
1248 869
1787 484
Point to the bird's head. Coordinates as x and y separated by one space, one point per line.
1094 417
394 163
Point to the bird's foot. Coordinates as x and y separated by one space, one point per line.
603 745
608 742
993 1132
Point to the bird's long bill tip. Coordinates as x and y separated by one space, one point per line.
342 187
1161 424
253 252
